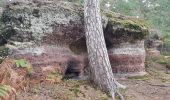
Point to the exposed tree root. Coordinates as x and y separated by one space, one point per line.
117 92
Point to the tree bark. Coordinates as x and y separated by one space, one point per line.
101 71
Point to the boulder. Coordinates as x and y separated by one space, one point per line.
52 34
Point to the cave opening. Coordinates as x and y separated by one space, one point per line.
72 71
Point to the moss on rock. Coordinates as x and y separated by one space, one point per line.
127 24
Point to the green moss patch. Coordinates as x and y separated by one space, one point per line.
143 78
137 28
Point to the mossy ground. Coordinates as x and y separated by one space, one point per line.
153 86
66 90
163 60
145 77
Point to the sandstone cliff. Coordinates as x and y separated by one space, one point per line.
52 34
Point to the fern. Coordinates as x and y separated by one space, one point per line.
21 63
24 64
6 91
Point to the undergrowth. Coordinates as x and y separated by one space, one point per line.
153 66
22 63
6 92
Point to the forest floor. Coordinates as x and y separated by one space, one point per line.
153 86
66 90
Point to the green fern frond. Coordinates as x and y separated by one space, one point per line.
24 64
6 91
3 93
21 63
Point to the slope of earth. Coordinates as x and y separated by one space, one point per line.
153 86
66 90
44 84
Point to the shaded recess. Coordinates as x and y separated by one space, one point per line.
119 29
79 46
72 70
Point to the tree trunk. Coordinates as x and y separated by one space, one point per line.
101 71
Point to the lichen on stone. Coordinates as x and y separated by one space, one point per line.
40 19
65 20
7 32
3 53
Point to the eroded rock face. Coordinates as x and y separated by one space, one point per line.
153 43
128 57
52 34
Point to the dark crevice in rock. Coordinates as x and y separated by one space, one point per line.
79 46
72 71
21 19
36 13
8 32
2 40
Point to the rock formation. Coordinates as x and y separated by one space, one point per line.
153 43
52 34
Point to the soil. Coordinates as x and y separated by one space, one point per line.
153 86
66 90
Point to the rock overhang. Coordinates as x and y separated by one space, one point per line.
39 19
58 28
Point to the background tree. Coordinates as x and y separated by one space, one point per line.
101 71
156 12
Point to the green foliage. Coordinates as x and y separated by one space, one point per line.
24 64
76 89
6 91
165 62
162 60
167 38
154 11
165 47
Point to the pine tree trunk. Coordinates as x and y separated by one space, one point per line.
101 71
